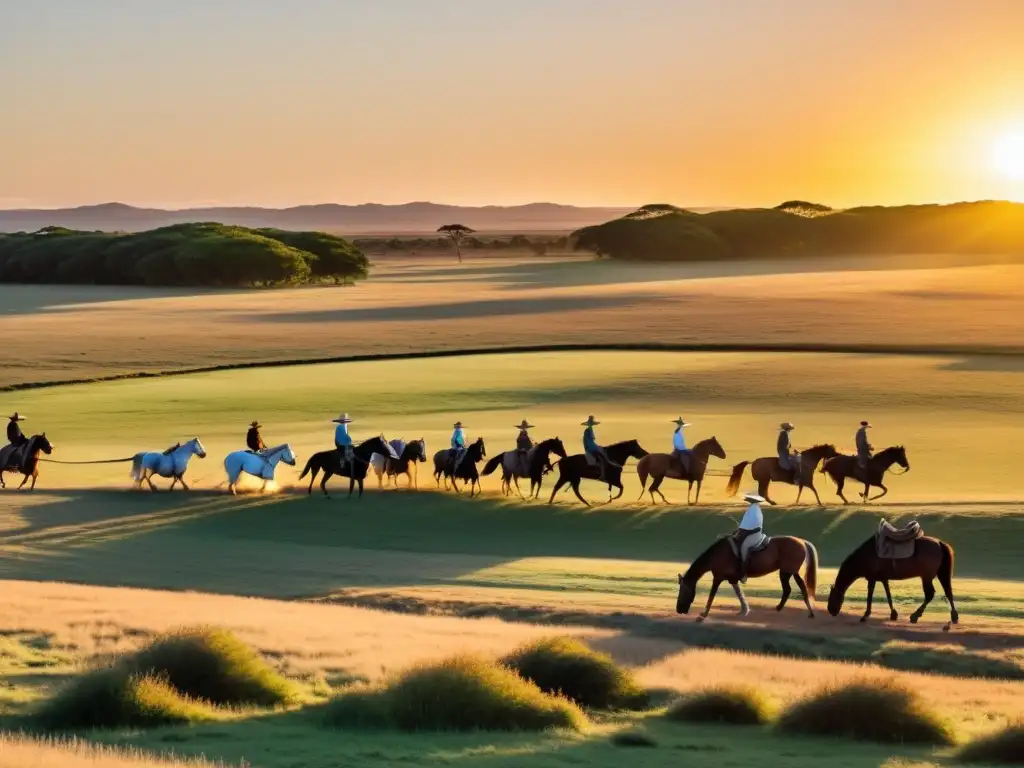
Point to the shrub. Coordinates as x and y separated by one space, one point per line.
567 666
1003 748
886 712
115 698
633 739
734 705
461 694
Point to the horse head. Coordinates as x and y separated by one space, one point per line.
421 449
556 446
376 445
479 445
196 447
712 446
40 443
837 590
687 591
899 456
288 455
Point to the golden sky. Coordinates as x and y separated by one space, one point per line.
594 102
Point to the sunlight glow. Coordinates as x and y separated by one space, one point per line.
1008 155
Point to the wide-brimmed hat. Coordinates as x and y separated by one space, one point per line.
590 422
525 425
457 425
16 417
343 419
756 498
256 425
865 424
787 425
682 422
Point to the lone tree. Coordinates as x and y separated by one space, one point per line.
456 232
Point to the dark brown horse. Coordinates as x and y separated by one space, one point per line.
331 464
538 464
767 469
573 469
475 453
785 554
841 467
662 465
25 460
933 558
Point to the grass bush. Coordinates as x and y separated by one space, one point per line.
215 666
886 712
567 666
464 693
635 738
1003 748
734 705
112 697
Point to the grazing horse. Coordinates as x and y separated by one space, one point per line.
662 465
25 459
330 462
466 470
409 454
170 464
538 464
767 469
785 554
932 558
573 469
261 465
841 467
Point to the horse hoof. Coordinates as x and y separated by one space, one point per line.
810 615
914 618
894 616
700 619
863 619
945 627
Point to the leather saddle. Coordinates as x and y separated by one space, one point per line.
734 544
892 543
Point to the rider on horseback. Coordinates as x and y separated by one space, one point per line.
342 439
458 449
15 437
864 449
789 457
253 439
523 445
596 455
679 450
749 533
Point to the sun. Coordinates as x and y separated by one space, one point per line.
1008 155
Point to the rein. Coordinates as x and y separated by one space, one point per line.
104 461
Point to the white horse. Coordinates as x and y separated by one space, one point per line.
261 465
171 464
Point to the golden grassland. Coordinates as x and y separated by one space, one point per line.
413 304
21 752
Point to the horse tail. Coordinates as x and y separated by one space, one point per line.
945 573
309 466
641 471
136 473
824 465
734 479
811 576
492 464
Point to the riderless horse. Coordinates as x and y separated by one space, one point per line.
408 456
538 464
573 469
261 464
24 459
466 470
767 469
841 467
332 463
171 464
662 465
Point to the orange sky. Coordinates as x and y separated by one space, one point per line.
723 102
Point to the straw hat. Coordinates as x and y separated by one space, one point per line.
457 425
682 422
787 425
865 424
590 422
343 419
754 498
16 417
256 425
525 425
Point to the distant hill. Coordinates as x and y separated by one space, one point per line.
347 219
663 232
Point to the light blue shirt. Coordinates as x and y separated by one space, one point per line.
752 518
679 440
458 439
341 436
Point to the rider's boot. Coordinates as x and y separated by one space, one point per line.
743 569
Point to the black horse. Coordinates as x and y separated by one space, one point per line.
466 470
538 464
331 463
24 459
573 469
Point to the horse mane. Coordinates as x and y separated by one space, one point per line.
701 561
821 447
634 441
275 449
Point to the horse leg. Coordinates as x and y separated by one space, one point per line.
655 489
518 489
576 490
696 499
875 498
806 594
711 598
762 489
929 593
361 487
174 480
947 589
558 486
744 606
888 596
786 589
25 480
689 488
351 485
149 479
840 483
181 480
799 492
263 488
871 596
323 481
814 490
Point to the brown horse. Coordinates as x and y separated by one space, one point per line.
841 467
25 460
933 558
662 465
785 554
574 469
767 469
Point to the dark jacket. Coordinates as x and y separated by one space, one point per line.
253 440
14 434
863 446
784 446
523 442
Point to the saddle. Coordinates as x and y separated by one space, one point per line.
11 456
892 543
754 549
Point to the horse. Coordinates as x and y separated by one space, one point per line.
767 469
932 558
573 469
785 554
840 467
538 464
408 454
261 465
25 459
466 470
662 465
170 464
330 462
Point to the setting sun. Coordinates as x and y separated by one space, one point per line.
1008 155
